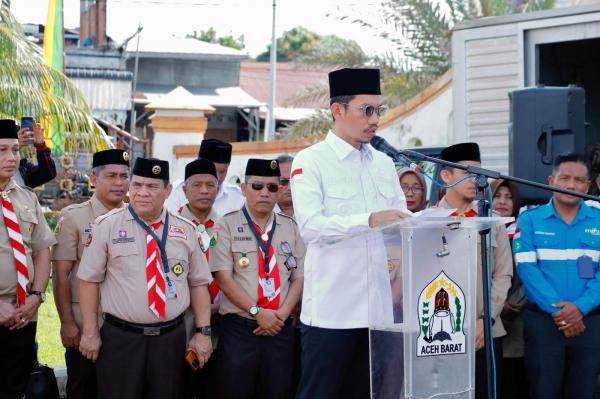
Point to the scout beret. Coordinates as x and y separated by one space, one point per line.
354 81
151 167
200 166
110 157
262 167
215 150
8 129
462 152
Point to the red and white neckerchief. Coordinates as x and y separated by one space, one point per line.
155 276
204 241
468 214
16 241
512 231
272 280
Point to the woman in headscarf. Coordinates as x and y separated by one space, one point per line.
506 202
415 189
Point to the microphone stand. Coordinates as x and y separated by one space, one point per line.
481 182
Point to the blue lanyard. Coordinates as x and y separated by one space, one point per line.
261 243
161 243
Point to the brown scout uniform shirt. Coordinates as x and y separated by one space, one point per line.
236 241
75 227
116 258
502 271
36 236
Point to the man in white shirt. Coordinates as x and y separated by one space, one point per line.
229 197
342 186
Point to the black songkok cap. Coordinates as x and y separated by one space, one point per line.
8 129
462 152
110 157
262 167
351 82
215 150
151 167
200 166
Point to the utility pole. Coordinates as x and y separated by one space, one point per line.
270 120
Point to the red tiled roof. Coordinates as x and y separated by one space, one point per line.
291 79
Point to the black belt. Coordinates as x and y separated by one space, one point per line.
145 329
535 308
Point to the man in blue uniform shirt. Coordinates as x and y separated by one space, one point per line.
556 248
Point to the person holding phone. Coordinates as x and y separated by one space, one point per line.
30 174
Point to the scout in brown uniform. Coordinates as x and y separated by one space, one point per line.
461 197
258 261
110 176
147 265
200 188
25 241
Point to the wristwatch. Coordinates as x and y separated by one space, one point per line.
253 310
204 330
40 294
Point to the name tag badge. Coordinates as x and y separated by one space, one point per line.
171 294
268 287
585 267
177 232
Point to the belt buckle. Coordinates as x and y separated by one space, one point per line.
152 331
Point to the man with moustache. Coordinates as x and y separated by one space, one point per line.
110 177
146 266
461 197
285 204
342 186
25 241
258 262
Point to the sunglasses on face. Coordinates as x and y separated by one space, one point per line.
272 187
369 110
284 182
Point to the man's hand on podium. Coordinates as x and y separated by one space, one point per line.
388 216
479 339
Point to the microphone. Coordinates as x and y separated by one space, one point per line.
380 144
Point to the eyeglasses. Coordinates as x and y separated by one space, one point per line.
416 189
290 261
369 110
284 181
272 187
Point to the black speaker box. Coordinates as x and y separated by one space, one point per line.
544 122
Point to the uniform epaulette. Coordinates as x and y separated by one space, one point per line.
108 214
286 216
73 207
26 188
179 217
231 212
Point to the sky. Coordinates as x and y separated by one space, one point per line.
251 18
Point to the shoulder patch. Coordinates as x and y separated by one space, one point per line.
231 212
108 214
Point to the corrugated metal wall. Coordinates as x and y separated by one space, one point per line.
492 70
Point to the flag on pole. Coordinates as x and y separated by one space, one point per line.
54 57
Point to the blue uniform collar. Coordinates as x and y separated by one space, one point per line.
549 210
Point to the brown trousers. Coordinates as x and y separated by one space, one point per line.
134 366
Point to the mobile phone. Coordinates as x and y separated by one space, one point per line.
27 123
192 360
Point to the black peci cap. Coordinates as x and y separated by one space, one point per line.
152 168
215 150
262 167
200 166
110 157
8 129
462 152
354 81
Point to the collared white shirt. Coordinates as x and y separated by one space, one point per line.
335 188
229 198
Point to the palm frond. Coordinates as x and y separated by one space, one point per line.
314 126
31 88
316 94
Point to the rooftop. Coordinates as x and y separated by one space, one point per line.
166 46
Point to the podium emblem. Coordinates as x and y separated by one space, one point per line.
441 317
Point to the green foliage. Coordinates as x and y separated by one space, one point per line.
458 315
51 351
210 36
292 44
27 84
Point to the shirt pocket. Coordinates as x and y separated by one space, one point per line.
27 222
385 190
247 250
178 264
125 258
340 197
284 273
591 247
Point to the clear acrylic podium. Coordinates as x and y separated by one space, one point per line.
422 282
